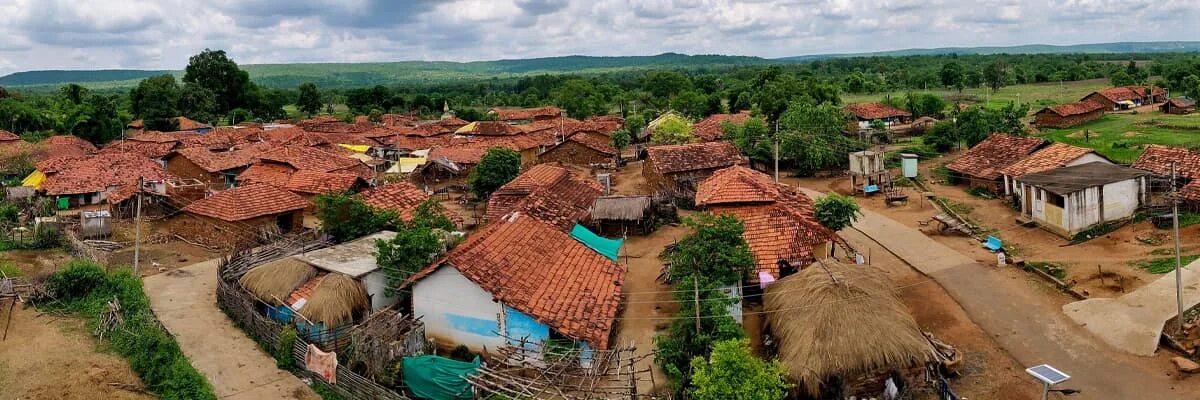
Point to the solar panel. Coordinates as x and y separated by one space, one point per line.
1047 374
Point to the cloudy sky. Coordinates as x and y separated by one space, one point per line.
154 34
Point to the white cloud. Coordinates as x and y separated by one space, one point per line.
61 34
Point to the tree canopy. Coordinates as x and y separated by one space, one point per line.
345 216
309 99
497 167
672 129
215 71
733 372
836 212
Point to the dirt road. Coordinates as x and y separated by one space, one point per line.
1031 329
185 300
646 300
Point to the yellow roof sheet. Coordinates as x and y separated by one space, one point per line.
34 180
358 148
468 128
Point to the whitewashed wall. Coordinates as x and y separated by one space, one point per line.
457 311
376 285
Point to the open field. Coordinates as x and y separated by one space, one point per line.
1122 137
1036 94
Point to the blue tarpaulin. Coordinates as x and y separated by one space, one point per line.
605 246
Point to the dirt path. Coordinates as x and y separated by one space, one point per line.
1032 329
185 301
645 298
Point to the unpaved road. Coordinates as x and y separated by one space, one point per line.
186 301
649 305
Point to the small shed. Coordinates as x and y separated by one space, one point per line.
621 215
319 303
908 165
867 170
1179 105
356 259
1070 200
94 224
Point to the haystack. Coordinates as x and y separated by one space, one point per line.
335 300
834 320
274 281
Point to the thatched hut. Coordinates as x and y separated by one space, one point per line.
324 301
619 215
274 281
842 330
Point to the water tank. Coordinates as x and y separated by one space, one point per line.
908 165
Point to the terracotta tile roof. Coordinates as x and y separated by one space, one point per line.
1056 155
185 124
542 271
401 197
97 173
1069 109
709 129
246 202
216 161
416 142
125 192
690 157
68 145
452 122
516 114
397 120
458 155
1122 93
1191 191
1182 102
334 126
1157 159
316 182
309 158
380 132
145 149
294 136
607 123
306 290
736 184
427 130
14 151
546 192
985 159
591 141
489 128
273 174
6 136
875 110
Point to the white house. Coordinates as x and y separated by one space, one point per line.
357 259
1070 200
1056 155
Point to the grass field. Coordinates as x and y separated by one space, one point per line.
1036 95
1121 137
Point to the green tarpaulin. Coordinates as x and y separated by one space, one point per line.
606 247
437 378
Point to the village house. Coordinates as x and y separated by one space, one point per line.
981 164
621 216
447 166
520 282
1056 155
546 192
319 301
309 184
17 155
1126 97
400 197
864 113
582 148
780 228
216 169
302 158
1072 199
77 181
709 129
1179 106
1158 159
675 170
356 259
1068 115
518 116
244 214
184 124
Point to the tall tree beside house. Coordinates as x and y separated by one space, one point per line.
620 139
345 216
579 98
733 372
497 167
715 250
836 212
309 101
810 137
672 129
752 138
198 103
156 101
430 214
215 71
411 249
1120 78
925 104
97 119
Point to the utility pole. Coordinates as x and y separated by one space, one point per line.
696 292
137 229
776 151
1178 262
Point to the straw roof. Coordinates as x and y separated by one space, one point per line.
274 281
856 325
624 208
333 300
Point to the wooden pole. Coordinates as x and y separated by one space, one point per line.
1178 261
137 230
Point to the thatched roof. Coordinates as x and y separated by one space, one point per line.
856 325
624 208
333 300
274 281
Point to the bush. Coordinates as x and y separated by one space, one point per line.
835 211
77 280
283 350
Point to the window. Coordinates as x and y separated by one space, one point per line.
1055 199
1037 194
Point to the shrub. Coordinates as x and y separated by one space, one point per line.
283 350
835 211
77 280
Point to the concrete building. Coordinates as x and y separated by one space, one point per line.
1056 155
1072 199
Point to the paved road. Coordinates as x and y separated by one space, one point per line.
1134 322
186 302
1031 329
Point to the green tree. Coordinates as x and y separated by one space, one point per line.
811 137
309 101
715 250
213 70
752 138
672 129
197 103
405 254
683 340
579 98
345 216
925 104
996 75
952 75
620 139
156 101
430 214
733 372
497 167
73 93
1120 78
835 211
666 84
96 120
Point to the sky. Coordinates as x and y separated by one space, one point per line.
161 34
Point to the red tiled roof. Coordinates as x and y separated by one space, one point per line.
547 192
458 155
68 145
1077 108
294 136
1191 191
690 157
1182 102
401 197
1122 93
397 120
709 129
6 136
273 174
985 159
1158 158
1056 155
493 128
145 149
185 124
515 114
589 140
97 173
874 111
316 182
542 271
246 202
416 142
216 161
736 184
309 158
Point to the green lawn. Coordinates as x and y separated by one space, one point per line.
1037 95
1121 137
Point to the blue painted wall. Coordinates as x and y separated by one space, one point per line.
521 326
472 325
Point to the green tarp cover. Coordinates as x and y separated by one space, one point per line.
437 378
606 247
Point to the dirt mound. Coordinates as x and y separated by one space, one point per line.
1131 134
1076 135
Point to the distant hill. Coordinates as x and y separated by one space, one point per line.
1095 48
345 75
